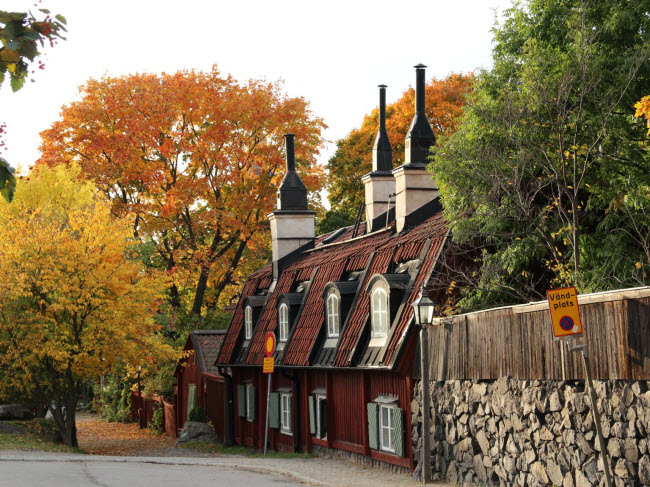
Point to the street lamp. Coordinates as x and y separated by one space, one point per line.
423 310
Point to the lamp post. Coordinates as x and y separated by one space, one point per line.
423 313
140 405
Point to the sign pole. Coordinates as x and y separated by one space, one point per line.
268 400
594 408
269 363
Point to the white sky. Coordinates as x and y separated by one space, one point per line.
333 53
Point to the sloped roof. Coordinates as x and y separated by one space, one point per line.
207 344
338 257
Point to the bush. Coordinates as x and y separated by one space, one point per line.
157 422
197 414
113 400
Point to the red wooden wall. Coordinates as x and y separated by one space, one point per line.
348 392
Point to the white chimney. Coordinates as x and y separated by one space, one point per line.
380 183
292 224
414 186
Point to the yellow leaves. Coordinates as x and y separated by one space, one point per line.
643 110
82 304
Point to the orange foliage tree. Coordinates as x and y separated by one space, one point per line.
197 158
75 298
445 99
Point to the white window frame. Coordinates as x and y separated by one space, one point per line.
249 403
248 322
333 317
285 413
283 322
319 398
388 428
379 328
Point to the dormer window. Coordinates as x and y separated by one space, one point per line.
379 313
333 319
283 322
248 322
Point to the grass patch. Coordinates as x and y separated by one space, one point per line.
36 434
218 448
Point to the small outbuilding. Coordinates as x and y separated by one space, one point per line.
198 382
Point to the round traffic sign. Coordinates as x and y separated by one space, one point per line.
269 344
566 323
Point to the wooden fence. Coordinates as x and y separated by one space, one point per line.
142 409
517 341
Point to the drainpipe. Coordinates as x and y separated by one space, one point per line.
228 416
296 416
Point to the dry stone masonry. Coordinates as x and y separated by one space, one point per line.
532 433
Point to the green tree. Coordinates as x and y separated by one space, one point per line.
21 34
549 171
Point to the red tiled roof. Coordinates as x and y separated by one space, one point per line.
209 342
378 252
260 279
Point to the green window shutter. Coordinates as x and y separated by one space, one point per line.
398 427
253 408
373 425
274 410
312 415
241 400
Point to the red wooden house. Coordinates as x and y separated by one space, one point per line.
198 382
340 307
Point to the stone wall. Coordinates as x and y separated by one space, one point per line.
531 433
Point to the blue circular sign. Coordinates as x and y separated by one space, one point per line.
566 323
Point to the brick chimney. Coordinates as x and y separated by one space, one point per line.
292 223
413 184
380 183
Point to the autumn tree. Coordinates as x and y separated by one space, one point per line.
549 172
445 99
74 297
196 158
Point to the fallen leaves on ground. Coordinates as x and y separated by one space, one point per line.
99 437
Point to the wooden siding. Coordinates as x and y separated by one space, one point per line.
214 404
518 342
347 391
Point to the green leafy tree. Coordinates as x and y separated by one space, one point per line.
549 172
22 35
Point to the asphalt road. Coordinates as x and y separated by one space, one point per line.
121 474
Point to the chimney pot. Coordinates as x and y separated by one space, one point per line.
291 154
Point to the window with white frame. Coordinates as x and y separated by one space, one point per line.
248 322
332 316
386 428
250 402
285 413
283 322
379 309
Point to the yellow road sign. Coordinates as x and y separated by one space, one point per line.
269 362
565 314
